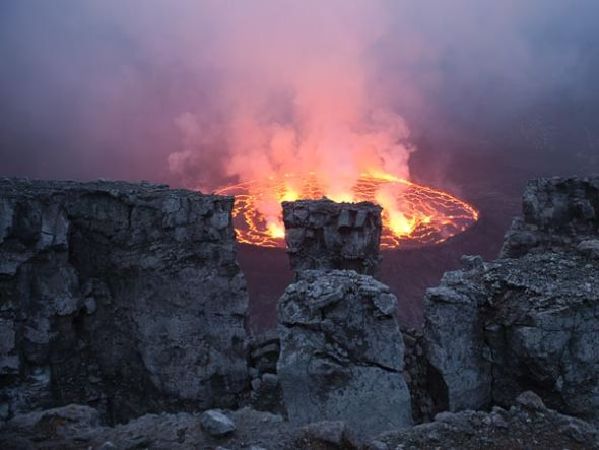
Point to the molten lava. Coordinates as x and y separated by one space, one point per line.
413 215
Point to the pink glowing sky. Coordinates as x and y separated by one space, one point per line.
196 93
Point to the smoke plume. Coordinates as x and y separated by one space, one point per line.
295 94
202 93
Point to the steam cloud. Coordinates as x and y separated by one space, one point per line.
295 94
199 93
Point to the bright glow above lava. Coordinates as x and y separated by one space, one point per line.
413 215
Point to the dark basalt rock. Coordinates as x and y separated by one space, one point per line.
417 374
264 352
77 427
322 234
557 212
528 424
495 329
126 297
342 352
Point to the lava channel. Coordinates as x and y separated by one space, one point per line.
413 216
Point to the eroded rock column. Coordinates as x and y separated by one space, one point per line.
322 234
342 352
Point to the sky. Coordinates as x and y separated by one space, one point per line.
201 93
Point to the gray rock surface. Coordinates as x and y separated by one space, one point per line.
322 234
216 423
266 390
328 434
556 212
528 321
454 343
416 375
342 352
127 297
528 424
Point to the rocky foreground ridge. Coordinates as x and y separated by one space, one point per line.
125 297
119 299
529 320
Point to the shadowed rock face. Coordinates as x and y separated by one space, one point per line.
529 319
127 298
322 234
123 296
557 212
342 352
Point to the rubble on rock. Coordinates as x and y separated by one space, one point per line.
266 390
526 425
322 234
342 352
123 296
76 427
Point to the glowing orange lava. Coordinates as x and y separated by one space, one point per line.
413 215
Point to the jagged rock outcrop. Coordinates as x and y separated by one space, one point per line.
127 297
557 212
322 234
529 321
528 424
342 352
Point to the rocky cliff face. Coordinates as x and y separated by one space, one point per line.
342 352
322 234
557 213
528 320
122 296
127 299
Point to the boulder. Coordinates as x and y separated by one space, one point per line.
322 234
216 423
125 296
342 352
